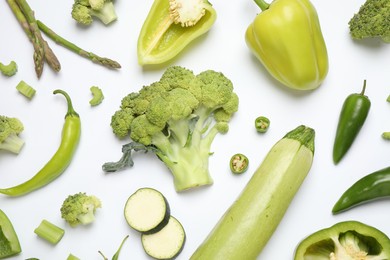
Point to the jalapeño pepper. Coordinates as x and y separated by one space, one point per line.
352 117
9 242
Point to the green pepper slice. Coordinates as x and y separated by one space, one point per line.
262 124
345 240
161 39
9 242
239 163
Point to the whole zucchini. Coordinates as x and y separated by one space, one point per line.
245 228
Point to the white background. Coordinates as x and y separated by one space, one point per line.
222 49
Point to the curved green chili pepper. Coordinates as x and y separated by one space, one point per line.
60 160
239 163
371 187
352 117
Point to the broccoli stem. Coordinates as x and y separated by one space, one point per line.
12 144
76 49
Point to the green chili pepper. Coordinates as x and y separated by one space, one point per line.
170 26
262 123
371 187
60 160
352 117
239 163
9 242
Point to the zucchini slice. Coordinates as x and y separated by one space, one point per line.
147 211
167 243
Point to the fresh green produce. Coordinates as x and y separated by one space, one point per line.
166 243
116 255
371 187
174 118
345 240
49 232
25 89
42 51
10 69
147 211
84 11
109 63
371 21
72 257
245 228
352 117
239 163
9 241
10 128
171 26
286 37
262 124
386 135
97 96
80 208
60 160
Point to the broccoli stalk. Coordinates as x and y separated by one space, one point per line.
10 69
10 128
372 20
83 11
177 118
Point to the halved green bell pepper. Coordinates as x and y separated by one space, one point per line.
345 240
286 37
9 242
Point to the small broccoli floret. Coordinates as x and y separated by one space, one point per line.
80 208
97 94
10 69
187 12
84 11
177 118
10 128
372 20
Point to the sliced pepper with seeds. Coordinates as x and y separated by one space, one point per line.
9 241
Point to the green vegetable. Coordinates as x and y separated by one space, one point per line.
60 160
72 257
84 11
345 240
49 232
10 69
111 64
116 255
352 117
262 124
25 89
372 20
245 228
239 163
386 135
371 187
10 128
9 241
42 51
171 26
97 94
80 208
177 118
286 37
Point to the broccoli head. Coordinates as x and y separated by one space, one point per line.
372 20
84 11
177 118
10 69
10 128
80 208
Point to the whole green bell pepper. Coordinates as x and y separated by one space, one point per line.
286 37
9 242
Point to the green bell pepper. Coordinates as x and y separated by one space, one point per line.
286 37
345 240
9 242
170 26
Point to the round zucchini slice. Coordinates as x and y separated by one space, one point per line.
167 243
147 211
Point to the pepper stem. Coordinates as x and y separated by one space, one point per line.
262 4
71 111
364 88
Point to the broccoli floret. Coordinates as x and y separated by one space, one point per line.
80 208
187 12
10 128
84 11
177 118
372 20
10 69
97 96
